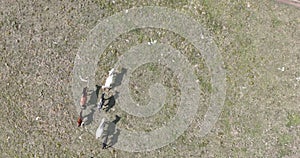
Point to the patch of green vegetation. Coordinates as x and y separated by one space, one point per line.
140 38
227 126
207 87
204 143
152 67
275 22
284 139
284 152
244 149
293 120
255 131
58 145
1 24
211 15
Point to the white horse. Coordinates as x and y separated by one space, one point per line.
100 129
109 79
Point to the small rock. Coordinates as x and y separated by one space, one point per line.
37 118
152 42
248 5
281 69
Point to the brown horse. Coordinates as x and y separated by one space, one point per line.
83 99
79 120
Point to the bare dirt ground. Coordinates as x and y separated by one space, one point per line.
259 42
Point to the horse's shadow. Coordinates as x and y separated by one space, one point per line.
94 96
119 77
90 117
111 135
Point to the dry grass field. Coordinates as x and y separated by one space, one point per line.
259 42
